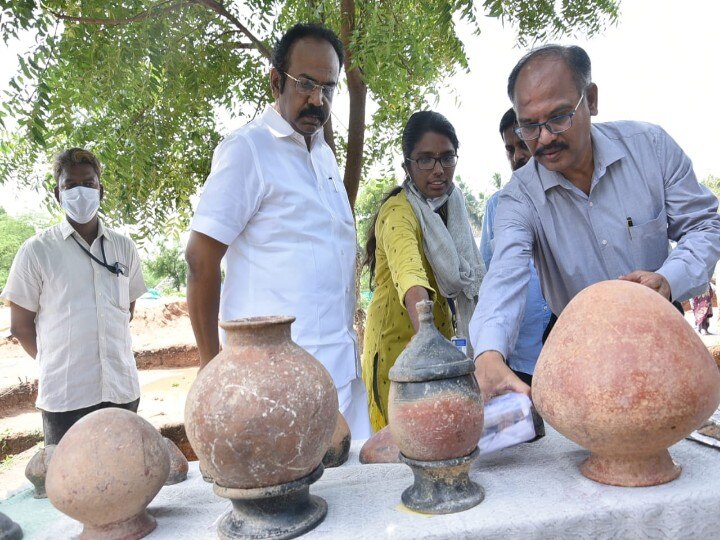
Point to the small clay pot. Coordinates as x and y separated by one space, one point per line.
105 471
178 464
380 448
9 530
339 450
36 470
624 375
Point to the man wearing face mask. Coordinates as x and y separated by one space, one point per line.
72 291
275 209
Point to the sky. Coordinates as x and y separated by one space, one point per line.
658 64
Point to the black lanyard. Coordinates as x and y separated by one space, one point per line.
118 269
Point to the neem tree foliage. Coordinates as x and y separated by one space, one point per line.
140 82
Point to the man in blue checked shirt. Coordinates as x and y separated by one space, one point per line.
537 313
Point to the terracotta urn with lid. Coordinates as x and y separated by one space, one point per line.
105 471
435 414
261 416
624 375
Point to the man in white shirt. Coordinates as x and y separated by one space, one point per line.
72 291
275 208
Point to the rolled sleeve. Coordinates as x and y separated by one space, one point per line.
233 191
693 222
397 232
24 283
495 324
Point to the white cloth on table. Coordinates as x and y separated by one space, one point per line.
83 315
284 214
532 491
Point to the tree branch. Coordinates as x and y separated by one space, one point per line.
218 8
143 15
162 9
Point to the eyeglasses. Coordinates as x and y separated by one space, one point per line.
557 124
306 87
427 163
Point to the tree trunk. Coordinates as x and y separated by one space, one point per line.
357 91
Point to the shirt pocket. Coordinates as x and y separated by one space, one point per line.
122 294
650 243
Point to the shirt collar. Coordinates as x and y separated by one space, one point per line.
606 151
281 128
66 229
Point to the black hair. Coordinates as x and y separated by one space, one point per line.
74 156
422 122
508 120
574 57
416 127
281 52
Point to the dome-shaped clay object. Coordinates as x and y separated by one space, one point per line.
105 471
9 530
36 470
624 375
263 411
178 464
339 450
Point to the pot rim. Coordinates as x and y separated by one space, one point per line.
252 322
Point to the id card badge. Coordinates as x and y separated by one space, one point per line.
460 343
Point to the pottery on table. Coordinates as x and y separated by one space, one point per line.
339 449
261 416
435 414
36 470
624 375
178 464
105 471
9 530
380 448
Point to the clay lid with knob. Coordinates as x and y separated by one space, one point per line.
429 356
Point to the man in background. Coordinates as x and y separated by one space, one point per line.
72 291
537 314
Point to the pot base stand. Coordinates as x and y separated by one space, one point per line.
442 487
273 512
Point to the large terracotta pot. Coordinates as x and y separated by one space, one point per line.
263 411
624 375
105 471
261 416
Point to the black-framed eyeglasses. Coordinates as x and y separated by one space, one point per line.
305 86
427 163
555 125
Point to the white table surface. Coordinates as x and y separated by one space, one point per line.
531 491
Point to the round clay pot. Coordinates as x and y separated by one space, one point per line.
380 448
263 411
624 375
339 450
105 471
435 409
178 464
36 470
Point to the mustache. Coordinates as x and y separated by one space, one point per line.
550 148
312 110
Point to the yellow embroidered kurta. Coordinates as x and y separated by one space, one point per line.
400 264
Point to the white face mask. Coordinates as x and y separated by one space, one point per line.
80 203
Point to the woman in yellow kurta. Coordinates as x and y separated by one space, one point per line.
426 212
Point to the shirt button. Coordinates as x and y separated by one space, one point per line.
591 204
604 242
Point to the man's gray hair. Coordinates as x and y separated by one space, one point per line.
575 57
